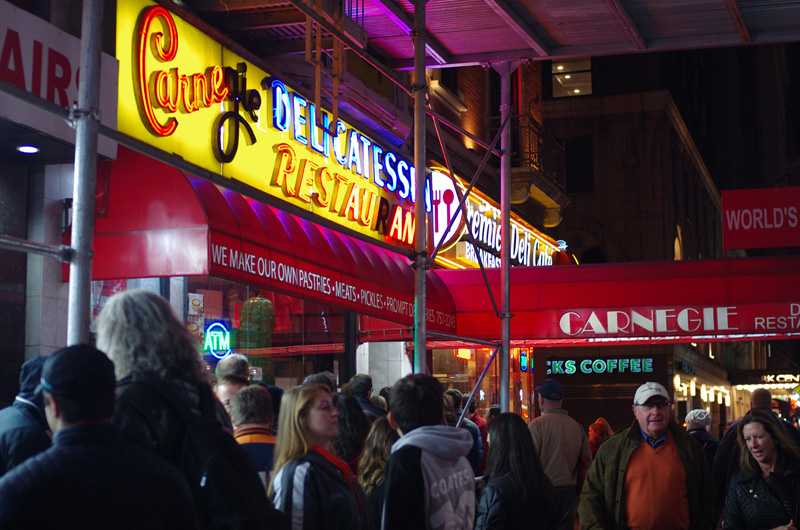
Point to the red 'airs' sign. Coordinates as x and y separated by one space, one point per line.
762 218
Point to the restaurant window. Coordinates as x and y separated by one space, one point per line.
285 338
571 78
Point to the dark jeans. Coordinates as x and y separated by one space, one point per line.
566 501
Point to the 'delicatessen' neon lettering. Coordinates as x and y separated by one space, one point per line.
170 89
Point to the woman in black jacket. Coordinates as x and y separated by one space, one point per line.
518 493
765 491
313 487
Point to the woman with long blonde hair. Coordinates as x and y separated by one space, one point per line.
311 486
372 466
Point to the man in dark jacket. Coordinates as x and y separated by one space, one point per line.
90 478
23 428
726 461
361 387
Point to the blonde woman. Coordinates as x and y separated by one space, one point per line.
311 486
372 466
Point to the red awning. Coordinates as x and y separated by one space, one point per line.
161 222
678 301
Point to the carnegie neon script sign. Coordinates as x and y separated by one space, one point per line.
225 114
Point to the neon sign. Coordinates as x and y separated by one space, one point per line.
600 366
464 353
217 340
255 129
172 88
669 320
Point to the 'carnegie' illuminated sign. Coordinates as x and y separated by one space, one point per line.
599 366
635 321
199 100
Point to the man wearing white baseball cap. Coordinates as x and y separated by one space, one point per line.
651 475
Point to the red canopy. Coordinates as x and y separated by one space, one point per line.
683 301
161 222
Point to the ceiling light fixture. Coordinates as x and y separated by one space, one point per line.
28 149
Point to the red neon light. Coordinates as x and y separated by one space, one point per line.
150 15
170 86
464 353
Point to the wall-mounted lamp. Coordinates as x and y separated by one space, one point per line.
28 149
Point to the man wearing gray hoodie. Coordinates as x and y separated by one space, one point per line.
429 482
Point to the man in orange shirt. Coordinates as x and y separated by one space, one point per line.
252 418
651 475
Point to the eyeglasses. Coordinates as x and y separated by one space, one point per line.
661 405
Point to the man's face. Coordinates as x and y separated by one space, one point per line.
225 393
653 416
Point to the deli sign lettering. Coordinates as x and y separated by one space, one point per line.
761 218
185 93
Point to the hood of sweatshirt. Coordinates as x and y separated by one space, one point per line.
444 441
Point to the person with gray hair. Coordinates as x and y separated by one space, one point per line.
235 365
151 348
697 422
164 401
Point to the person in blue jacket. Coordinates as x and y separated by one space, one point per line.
23 427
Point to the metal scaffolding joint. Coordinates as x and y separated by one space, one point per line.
75 114
419 86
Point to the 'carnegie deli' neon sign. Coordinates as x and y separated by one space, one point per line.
651 321
331 169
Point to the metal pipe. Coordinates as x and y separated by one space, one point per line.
351 44
421 263
477 384
86 128
59 252
505 250
436 117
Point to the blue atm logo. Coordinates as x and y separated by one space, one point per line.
217 340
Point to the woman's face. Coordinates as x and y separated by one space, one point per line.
322 422
760 443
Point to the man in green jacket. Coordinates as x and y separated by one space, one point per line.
651 475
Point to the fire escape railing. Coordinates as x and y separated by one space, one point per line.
535 148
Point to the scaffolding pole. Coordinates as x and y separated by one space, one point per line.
421 263
86 119
505 249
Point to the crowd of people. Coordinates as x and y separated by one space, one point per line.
142 437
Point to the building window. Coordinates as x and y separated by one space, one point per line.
571 78
579 156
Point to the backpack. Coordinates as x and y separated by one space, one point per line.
228 494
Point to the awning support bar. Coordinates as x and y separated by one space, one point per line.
477 385
60 252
